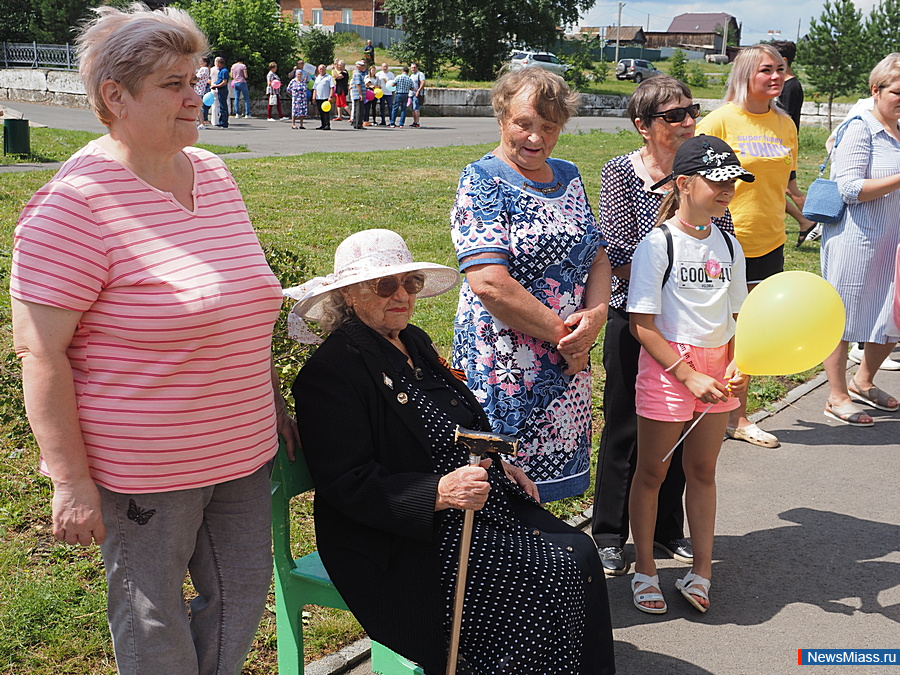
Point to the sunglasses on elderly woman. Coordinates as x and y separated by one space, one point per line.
387 286
678 114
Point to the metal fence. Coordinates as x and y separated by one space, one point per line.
380 37
33 55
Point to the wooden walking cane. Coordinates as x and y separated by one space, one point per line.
477 443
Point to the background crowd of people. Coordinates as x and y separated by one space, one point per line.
329 94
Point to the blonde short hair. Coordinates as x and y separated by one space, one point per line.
885 72
127 46
743 69
550 95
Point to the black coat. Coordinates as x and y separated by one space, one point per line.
376 488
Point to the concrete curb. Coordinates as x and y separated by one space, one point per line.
341 661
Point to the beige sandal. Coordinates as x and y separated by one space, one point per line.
752 434
849 413
872 396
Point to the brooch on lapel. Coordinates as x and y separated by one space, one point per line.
402 398
389 383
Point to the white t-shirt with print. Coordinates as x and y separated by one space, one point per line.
705 287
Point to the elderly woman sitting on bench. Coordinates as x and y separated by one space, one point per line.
377 408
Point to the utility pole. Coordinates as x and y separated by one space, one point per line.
798 31
618 27
725 36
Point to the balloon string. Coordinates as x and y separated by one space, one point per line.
684 435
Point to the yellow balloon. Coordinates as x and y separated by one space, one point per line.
326 106
378 92
789 323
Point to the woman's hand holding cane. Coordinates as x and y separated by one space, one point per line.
465 488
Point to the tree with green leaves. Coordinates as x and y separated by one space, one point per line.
15 20
678 68
835 51
476 34
252 29
425 23
43 21
582 61
317 46
883 31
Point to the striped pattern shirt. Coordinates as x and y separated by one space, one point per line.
171 358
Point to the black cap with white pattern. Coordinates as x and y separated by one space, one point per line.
709 157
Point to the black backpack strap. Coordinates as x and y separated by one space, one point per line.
729 244
670 251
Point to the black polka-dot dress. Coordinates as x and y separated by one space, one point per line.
524 607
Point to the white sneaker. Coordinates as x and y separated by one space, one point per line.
272 119
856 355
201 126
816 233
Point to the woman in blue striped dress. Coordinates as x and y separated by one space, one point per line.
858 253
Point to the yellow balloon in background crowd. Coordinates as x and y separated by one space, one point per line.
378 92
326 106
789 323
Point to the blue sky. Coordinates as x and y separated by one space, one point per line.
757 16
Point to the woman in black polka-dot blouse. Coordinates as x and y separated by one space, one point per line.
377 407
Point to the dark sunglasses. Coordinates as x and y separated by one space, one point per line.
387 286
678 114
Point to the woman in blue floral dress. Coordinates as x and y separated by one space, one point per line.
298 88
537 285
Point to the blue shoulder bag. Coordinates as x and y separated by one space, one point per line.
824 203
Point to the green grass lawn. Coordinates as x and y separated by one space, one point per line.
52 618
57 145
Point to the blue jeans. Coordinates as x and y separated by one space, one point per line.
241 89
222 535
222 92
399 107
387 103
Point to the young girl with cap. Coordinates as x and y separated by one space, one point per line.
687 283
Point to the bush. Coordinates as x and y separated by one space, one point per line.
679 66
317 46
581 61
696 76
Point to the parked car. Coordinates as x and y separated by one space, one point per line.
545 60
635 69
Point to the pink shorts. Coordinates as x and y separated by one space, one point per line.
660 396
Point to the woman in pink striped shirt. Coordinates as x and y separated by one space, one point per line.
143 309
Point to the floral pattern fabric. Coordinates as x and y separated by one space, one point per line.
299 89
550 236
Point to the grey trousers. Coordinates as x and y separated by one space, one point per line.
221 534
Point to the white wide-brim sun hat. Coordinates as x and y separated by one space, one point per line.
364 256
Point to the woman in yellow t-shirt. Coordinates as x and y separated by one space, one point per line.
765 140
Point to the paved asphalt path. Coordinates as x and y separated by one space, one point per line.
807 554
272 139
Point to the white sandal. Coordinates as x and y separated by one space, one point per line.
639 584
694 586
753 434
